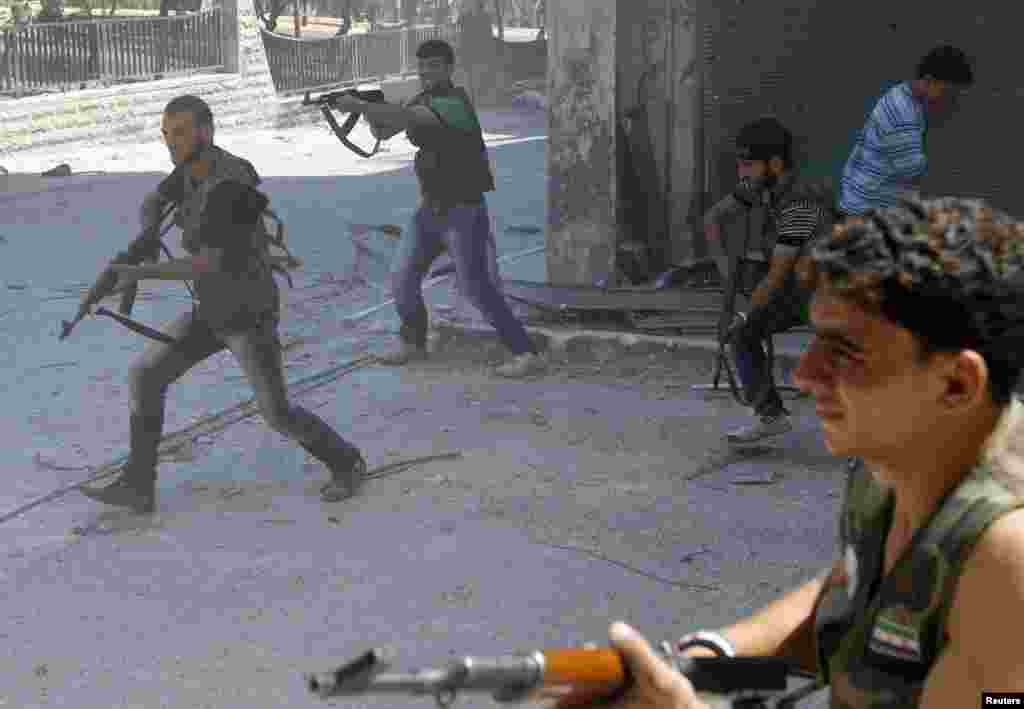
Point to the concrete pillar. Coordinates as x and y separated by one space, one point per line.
582 227
229 35
599 56
243 45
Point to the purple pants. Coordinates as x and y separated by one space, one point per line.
465 232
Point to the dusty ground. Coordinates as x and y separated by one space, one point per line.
598 491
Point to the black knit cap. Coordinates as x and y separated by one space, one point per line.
764 139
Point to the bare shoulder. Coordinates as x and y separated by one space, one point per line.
989 600
992 583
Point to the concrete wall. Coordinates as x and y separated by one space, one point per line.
582 189
659 38
599 55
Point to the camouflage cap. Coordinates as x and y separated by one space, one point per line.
949 269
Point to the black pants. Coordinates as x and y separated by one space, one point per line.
785 310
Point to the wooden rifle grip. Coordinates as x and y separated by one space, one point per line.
600 669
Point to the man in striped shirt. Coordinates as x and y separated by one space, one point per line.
796 212
888 159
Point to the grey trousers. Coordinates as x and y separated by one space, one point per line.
258 352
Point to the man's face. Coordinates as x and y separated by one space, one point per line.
754 170
759 171
941 97
182 136
433 71
874 395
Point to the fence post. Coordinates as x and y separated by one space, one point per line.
230 49
405 50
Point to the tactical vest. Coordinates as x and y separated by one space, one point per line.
877 638
244 293
451 163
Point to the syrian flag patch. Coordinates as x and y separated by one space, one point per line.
896 635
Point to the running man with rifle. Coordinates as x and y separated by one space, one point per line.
454 174
219 211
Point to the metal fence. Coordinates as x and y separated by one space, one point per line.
69 55
298 65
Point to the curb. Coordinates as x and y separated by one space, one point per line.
571 343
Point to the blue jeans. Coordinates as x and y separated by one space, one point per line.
465 231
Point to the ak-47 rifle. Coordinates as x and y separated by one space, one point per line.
106 284
749 682
326 102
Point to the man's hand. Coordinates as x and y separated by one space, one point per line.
126 273
656 685
738 321
347 103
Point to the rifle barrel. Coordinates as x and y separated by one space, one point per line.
327 684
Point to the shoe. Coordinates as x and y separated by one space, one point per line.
342 489
129 490
135 487
405 354
521 366
766 427
345 462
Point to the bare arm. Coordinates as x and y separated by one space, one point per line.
984 654
388 119
783 628
780 266
796 227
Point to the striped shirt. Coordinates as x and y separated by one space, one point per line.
888 158
796 224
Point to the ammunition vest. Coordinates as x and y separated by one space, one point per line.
451 163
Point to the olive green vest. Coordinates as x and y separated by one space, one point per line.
877 638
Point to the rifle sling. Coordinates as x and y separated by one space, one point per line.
136 326
343 131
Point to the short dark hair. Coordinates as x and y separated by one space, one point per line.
200 110
764 139
949 270
436 48
946 63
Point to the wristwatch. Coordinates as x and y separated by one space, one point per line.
713 641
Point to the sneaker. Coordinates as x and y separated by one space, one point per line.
403 355
766 427
521 366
